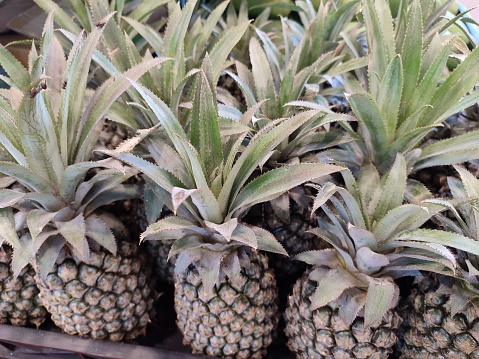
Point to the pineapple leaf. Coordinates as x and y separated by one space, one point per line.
245 235
450 151
332 286
402 218
457 84
74 233
324 257
389 98
380 41
441 237
268 242
9 197
226 229
362 238
37 219
277 181
61 17
412 51
351 302
172 227
374 129
97 230
27 177
14 69
262 144
370 262
7 223
383 295
39 139
209 268
263 78
153 204
224 46
205 131
392 192
48 254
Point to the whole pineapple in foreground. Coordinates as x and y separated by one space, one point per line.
225 293
345 307
441 315
86 275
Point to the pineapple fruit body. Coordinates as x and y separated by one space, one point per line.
322 334
19 301
108 298
430 329
235 322
164 268
294 238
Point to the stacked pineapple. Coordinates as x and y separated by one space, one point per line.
209 160
441 313
348 301
225 293
88 270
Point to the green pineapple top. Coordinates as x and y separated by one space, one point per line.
50 123
375 239
407 93
204 178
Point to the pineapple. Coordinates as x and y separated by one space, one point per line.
89 274
441 313
19 301
225 292
406 95
345 306
276 89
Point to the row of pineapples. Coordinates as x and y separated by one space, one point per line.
231 172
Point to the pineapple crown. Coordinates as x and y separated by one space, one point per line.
280 73
50 125
376 239
406 95
130 36
203 179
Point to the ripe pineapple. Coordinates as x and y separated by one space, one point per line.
346 305
441 314
225 293
19 301
87 276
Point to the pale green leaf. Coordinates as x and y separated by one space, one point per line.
48 254
332 286
382 296
9 197
74 233
374 129
277 181
389 98
267 242
37 219
98 230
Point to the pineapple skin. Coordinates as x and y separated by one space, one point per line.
430 331
108 298
19 301
164 268
321 334
293 236
234 322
